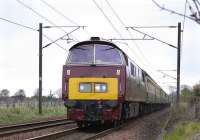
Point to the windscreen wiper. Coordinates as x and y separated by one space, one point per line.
80 48
109 49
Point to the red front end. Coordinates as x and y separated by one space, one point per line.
94 59
94 110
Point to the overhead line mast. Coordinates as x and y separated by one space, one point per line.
178 55
41 47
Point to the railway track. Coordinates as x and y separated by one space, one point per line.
103 133
27 127
81 134
56 135
76 130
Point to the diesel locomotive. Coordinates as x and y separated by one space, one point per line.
100 84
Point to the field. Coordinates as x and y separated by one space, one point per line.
10 115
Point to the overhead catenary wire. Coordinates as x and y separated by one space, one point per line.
154 27
60 13
121 21
30 28
115 13
18 24
41 16
198 2
118 17
37 13
192 10
63 15
152 37
146 63
182 37
111 22
61 37
106 17
196 6
47 37
185 9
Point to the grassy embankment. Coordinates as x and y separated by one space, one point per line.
184 131
182 124
25 114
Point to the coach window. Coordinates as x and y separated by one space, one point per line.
143 76
132 70
135 71
140 75
125 58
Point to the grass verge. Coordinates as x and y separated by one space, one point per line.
25 114
184 131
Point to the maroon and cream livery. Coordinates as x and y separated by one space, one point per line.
101 84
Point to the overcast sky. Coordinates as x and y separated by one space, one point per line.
19 46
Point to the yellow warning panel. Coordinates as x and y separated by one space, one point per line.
110 94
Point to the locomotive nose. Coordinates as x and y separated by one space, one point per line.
93 88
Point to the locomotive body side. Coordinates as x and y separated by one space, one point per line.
136 83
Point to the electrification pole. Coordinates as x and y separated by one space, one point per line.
40 69
178 63
178 50
40 55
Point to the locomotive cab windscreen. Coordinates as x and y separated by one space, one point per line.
95 54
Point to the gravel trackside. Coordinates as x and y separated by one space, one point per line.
145 128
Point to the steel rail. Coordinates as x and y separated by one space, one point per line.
14 126
13 129
53 136
104 133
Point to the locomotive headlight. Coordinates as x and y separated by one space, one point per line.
85 87
118 72
100 87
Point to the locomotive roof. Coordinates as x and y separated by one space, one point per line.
97 42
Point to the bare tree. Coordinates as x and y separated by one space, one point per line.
4 96
58 93
20 95
4 93
36 93
195 13
196 89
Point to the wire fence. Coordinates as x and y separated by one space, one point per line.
10 102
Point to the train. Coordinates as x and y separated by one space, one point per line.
101 84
